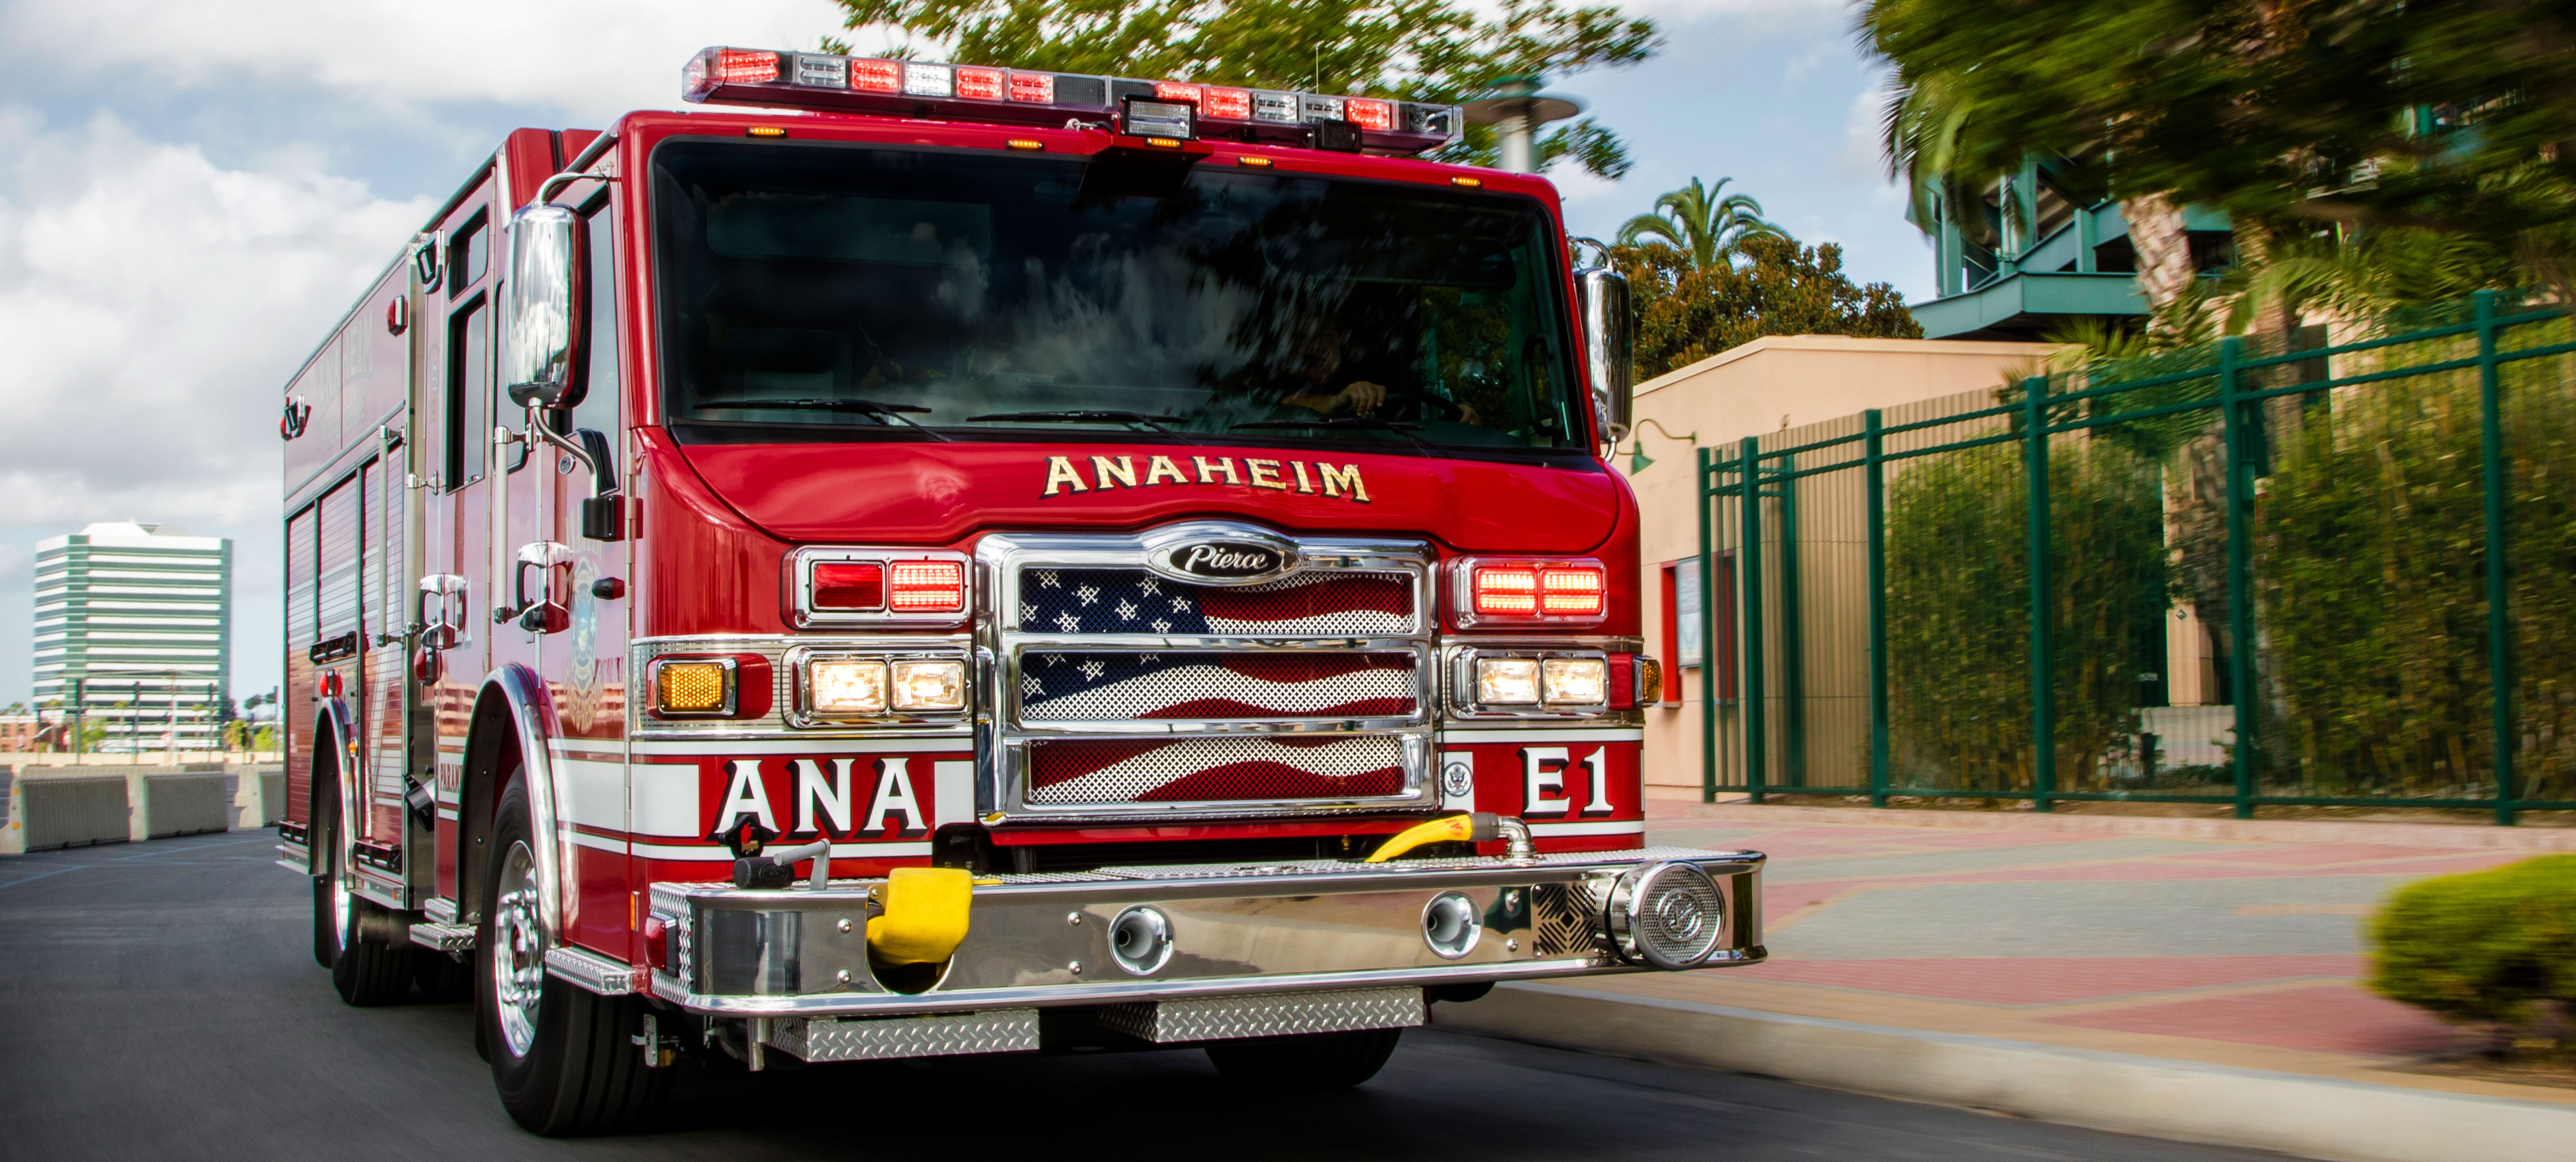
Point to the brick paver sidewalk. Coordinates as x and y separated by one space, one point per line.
2233 952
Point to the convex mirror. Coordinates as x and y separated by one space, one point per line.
546 301
1609 349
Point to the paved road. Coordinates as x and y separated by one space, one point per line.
161 1002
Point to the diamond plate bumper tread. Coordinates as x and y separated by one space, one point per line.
936 1035
1269 1015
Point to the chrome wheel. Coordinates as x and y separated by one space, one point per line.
343 901
518 950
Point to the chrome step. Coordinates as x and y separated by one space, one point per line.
443 937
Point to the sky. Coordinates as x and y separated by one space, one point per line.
193 191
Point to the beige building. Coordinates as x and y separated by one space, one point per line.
1800 387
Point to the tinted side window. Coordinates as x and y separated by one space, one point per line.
469 255
599 409
469 394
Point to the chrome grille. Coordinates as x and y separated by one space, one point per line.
1125 691
1091 686
1261 769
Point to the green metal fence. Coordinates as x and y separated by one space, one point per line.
2250 574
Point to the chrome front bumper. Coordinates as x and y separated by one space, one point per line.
1042 941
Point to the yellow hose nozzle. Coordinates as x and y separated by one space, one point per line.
1479 827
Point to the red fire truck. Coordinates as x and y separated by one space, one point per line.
910 559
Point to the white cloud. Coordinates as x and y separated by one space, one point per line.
590 58
1862 156
152 304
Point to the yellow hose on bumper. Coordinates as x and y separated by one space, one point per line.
925 915
1476 828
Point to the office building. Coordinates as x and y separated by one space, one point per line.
134 631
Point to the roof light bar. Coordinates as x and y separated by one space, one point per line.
983 93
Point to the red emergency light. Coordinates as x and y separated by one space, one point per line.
774 79
1534 591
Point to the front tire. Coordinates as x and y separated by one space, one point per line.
562 1058
1314 1063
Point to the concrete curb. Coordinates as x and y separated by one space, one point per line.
2315 1117
2456 837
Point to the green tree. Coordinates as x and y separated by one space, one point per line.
2336 119
1415 50
1686 312
1699 222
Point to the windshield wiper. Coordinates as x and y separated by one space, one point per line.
1361 423
887 414
1078 415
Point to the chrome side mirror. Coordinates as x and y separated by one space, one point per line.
1609 349
546 301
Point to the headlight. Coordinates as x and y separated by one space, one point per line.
842 686
930 685
1575 681
1506 681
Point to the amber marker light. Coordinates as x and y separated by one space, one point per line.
764 131
693 687
1254 162
1470 183
1025 143
1164 142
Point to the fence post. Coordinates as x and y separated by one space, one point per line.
2240 574
2043 678
1749 559
1878 758
1793 635
2499 611
1704 493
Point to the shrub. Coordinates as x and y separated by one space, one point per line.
1958 611
2486 946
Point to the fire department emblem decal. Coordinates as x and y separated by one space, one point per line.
1457 779
581 706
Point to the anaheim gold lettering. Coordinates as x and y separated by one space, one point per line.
1208 471
1061 472
1265 474
1124 472
1160 468
1347 478
1303 485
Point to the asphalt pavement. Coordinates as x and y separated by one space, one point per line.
161 1001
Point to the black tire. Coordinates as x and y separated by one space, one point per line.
364 972
1314 1063
443 979
572 1069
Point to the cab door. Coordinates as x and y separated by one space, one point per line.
586 661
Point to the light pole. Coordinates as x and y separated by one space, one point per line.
1516 108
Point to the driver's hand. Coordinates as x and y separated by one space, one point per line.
1360 398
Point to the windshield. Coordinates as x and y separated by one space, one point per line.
840 292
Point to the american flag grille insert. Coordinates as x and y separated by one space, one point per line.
1328 603
1232 769
1100 686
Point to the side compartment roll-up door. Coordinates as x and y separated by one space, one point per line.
381 606
295 704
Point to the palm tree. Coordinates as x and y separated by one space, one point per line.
1697 221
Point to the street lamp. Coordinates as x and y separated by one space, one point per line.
1517 107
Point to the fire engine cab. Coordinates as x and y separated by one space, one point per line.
909 559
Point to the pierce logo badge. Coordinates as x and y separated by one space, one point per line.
1224 562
